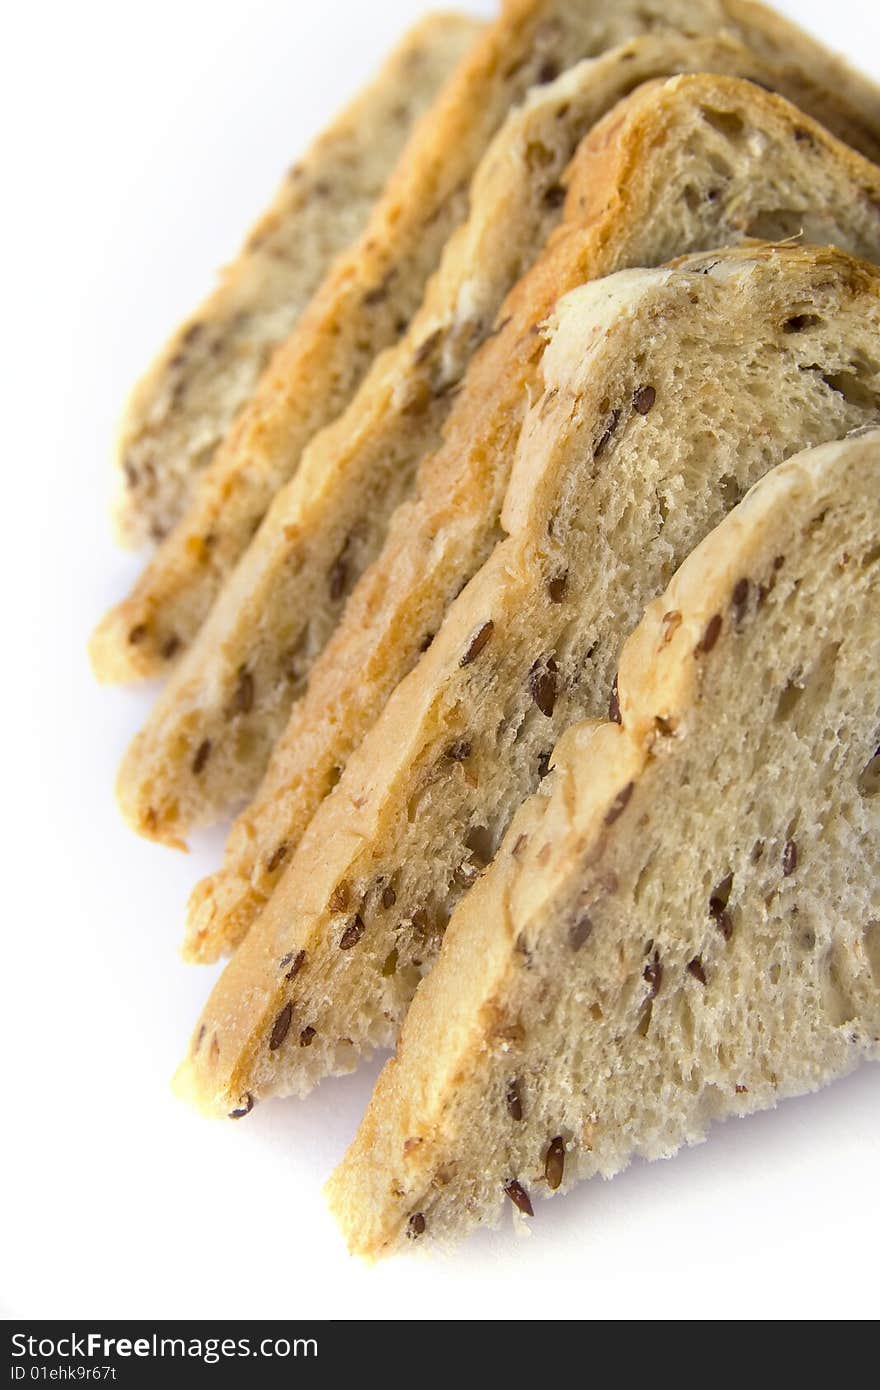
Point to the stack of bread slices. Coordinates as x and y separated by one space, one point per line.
517 571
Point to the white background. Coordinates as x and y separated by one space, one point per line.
139 142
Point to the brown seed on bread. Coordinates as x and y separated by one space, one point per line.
519 1196
477 643
554 1162
277 857
710 636
338 900
202 754
542 684
695 968
416 1225
579 931
281 1027
353 933
644 399
718 910
296 963
244 1109
607 434
514 1100
740 599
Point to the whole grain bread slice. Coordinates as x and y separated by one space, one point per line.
678 166
667 394
374 289
683 924
182 407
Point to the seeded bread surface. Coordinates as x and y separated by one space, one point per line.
183 406
374 289
666 395
678 166
683 924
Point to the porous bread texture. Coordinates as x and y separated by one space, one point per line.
182 407
373 290
667 394
683 924
678 166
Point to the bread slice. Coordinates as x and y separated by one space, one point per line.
374 289
667 394
684 923
678 166
182 407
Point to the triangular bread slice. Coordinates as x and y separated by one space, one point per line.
684 923
373 290
183 405
679 166
668 393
